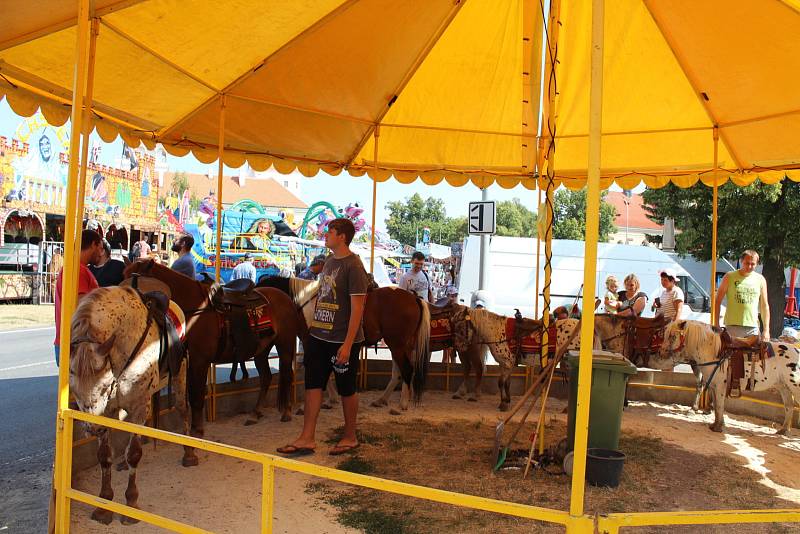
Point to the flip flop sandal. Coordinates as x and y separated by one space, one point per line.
290 451
341 449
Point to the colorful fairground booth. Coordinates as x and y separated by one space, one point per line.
651 91
120 203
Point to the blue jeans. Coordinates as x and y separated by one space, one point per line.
57 350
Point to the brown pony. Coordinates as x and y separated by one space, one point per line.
205 339
397 316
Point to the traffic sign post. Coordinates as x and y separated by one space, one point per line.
482 218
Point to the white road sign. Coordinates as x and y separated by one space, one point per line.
481 217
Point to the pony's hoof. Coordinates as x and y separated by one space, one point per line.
784 432
395 411
122 466
103 516
285 418
457 397
380 403
245 375
503 407
299 411
472 399
250 422
127 520
190 461
326 406
716 427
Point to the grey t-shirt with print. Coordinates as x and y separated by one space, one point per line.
340 279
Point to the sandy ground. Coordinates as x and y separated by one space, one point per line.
223 494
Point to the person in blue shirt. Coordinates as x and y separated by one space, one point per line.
312 271
184 264
245 269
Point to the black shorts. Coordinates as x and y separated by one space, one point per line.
317 362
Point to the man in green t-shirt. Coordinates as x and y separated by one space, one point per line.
746 293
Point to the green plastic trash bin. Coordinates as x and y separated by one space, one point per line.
609 377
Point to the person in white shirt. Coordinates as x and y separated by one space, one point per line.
416 280
671 298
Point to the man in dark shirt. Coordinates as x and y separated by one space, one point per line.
107 271
335 340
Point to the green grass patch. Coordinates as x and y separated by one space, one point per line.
357 464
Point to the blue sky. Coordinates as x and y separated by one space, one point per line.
338 190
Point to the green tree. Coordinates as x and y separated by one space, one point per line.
569 215
408 217
760 217
515 220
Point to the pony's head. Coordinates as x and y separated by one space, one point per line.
90 346
687 341
143 266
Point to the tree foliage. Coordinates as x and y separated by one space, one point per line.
569 215
515 220
760 217
408 217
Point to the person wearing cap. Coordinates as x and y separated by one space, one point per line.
671 297
245 269
107 271
314 268
746 293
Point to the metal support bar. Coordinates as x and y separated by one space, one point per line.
220 154
715 203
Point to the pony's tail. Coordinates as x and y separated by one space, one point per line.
285 380
422 351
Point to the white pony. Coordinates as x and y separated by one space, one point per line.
114 371
700 343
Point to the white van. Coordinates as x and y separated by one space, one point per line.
512 284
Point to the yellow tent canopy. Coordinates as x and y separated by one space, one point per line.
452 86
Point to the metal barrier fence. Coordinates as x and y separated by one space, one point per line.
51 259
602 523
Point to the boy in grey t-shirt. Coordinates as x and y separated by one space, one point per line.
335 340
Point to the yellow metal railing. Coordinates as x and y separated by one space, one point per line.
270 462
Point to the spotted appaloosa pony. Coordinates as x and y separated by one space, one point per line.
397 316
700 343
113 374
613 331
206 341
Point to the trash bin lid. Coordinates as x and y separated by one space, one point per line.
608 361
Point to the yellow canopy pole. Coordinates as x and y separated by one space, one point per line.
220 153
63 456
375 134
715 175
590 263
538 251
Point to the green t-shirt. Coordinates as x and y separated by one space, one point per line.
743 297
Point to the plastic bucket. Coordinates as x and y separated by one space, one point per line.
604 467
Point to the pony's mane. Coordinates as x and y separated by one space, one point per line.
482 316
303 290
81 328
701 339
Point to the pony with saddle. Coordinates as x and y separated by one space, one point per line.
125 346
726 362
228 324
398 317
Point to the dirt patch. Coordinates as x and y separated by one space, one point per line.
674 463
432 454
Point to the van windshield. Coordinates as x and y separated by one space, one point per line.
695 297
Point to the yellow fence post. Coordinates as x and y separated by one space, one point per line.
267 496
589 271
63 455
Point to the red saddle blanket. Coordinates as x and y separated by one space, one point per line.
259 318
531 344
441 332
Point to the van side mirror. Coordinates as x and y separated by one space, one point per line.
706 304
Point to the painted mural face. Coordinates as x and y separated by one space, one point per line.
45 148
